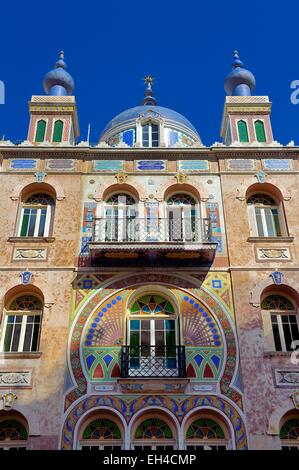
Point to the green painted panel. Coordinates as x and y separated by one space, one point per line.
57 134
243 131
40 131
260 131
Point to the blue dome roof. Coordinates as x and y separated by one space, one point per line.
239 81
128 117
58 81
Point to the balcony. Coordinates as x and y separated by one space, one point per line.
153 362
163 242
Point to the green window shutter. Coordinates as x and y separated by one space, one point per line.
57 134
25 223
260 131
243 132
40 131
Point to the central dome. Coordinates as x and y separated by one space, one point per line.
150 125
176 128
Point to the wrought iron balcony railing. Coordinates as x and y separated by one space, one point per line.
153 361
191 230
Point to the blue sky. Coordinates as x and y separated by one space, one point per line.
187 46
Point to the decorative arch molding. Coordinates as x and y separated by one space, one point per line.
217 414
170 188
114 414
280 193
136 191
277 416
20 190
268 285
21 289
113 287
177 408
29 416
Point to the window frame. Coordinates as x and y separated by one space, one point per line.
278 314
150 125
268 324
203 444
252 217
154 443
288 444
24 323
49 218
16 444
101 444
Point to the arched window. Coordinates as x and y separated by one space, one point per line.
266 217
260 131
22 324
280 322
150 135
183 223
154 433
36 215
289 433
40 131
58 129
13 433
119 223
243 131
206 434
153 338
102 433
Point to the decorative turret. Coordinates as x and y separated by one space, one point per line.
148 95
58 82
240 82
53 118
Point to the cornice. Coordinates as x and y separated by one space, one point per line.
92 153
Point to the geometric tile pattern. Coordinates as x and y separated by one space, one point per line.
178 406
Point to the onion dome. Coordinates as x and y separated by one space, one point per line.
59 82
240 82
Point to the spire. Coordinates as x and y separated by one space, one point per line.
148 95
239 82
58 81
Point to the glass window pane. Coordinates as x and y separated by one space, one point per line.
287 335
269 222
16 337
8 337
276 222
27 339
259 222
35 336
276 336
32 221
134 325
42 222
25 222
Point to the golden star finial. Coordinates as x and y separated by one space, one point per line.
148 80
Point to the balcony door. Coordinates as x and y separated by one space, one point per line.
120 218
181 216
152 337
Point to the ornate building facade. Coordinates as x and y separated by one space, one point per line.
149 284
